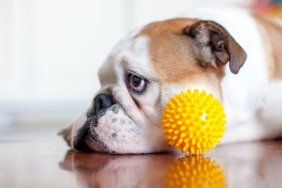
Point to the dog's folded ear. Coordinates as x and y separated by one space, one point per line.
74 134
215 45
66 134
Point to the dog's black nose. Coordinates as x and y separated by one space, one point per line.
103 101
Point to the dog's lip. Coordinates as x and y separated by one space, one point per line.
78 142
93 137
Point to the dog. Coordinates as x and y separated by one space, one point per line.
231 53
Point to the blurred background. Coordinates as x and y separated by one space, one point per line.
50 50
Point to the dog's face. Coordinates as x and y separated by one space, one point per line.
140 75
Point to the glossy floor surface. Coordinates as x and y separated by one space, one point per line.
39 158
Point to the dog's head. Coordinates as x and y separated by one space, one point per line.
140 75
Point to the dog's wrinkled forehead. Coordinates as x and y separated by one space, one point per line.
132 53
154 51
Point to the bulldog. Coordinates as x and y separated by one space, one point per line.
232 53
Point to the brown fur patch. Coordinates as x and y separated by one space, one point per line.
172 54
272 39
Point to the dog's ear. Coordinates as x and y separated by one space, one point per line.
66 134
74 134
215 45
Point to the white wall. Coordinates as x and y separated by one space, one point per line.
50 50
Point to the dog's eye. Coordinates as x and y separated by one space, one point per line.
136 83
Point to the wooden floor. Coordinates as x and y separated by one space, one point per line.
39 158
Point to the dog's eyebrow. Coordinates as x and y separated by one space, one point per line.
136 71
137 74
148 79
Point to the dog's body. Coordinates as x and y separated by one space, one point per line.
163 58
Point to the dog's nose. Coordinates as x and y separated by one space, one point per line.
103 101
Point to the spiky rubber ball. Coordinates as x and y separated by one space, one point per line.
193 121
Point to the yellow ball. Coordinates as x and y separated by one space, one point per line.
193 121
195 171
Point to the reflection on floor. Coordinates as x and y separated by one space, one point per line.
38 158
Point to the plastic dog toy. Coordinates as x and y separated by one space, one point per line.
193 121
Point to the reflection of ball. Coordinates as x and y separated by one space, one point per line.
193 121
195 171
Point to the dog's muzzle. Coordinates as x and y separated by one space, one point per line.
102 102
